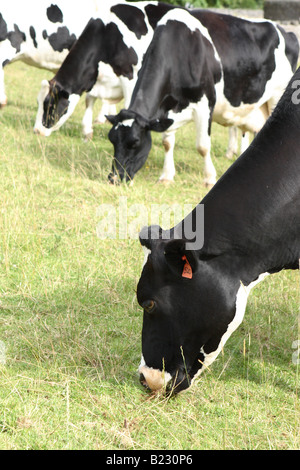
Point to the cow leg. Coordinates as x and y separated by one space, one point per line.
245 141
203 143
232 148
106 110
3 98
87 121
169 167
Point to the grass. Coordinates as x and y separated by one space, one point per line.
70 322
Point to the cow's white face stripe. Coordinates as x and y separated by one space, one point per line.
126 123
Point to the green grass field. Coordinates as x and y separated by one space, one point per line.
70 322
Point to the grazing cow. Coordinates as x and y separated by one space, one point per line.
226 69
193 299
41 33
104 62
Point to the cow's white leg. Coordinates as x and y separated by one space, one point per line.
106 109
87 121
203 142
3 98
169 167
245 141
232 148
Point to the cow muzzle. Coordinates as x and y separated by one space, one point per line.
154 379
41 131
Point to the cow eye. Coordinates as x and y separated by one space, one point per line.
149 306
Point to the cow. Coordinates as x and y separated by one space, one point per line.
104 62
224 69
42 33
194 293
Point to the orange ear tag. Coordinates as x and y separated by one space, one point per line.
187 270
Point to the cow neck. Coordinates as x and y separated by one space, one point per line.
79 71
151 86
252 215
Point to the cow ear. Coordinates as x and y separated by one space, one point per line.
182 261
160 125
112 119
149 234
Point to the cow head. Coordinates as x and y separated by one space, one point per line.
188 306
55 105
131 138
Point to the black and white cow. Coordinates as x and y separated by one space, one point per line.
104 62
193 299
226 69
41 33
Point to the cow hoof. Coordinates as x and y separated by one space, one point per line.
165 181
88 137
229 155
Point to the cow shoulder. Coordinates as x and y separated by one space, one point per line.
252 60
132 17
156 12
119 56
193 61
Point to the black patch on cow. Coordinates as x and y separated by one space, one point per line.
33 36
45 34
156 12
133 17
291 47
16 38
61 39
54 14
251 62
3 28
120 57
5 62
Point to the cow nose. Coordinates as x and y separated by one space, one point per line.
38 131
153 378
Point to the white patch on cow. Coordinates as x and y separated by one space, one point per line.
146 254
241 302
185 17
108 88
126 123
38 127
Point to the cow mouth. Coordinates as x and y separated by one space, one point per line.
169 386
162 382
